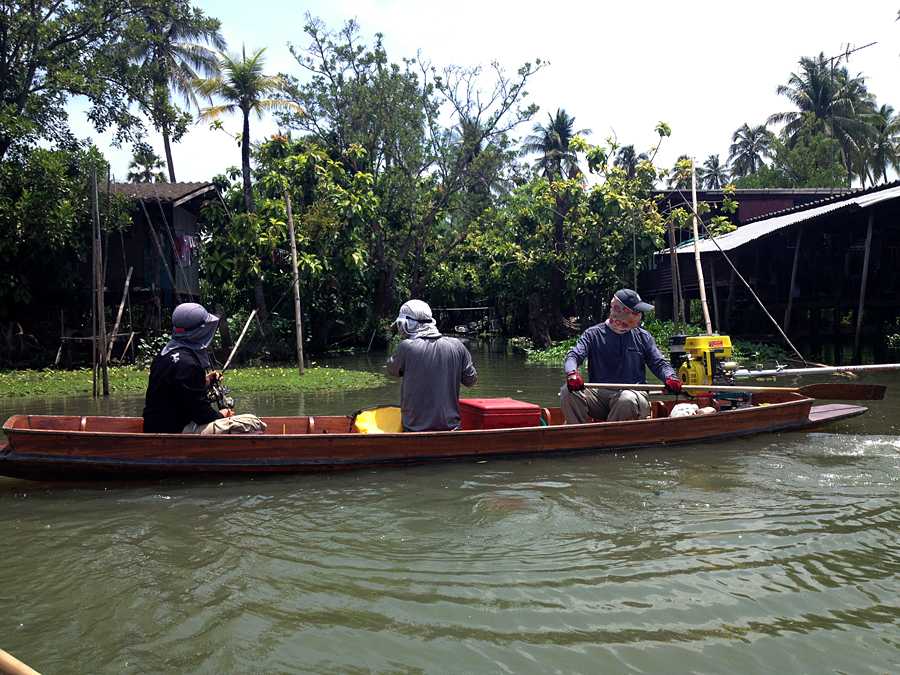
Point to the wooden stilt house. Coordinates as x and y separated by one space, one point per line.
828 271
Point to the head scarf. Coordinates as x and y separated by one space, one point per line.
415 321
621 319
192 328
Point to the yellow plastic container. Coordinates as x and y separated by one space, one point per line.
383 420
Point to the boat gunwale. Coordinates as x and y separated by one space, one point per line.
13 431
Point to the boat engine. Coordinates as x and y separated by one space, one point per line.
702 359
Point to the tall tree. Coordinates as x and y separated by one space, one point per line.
176 55
712 175
829 100
145 166
680 175
52 50
884 151
750 147
552 143
627 159
436 143
244 87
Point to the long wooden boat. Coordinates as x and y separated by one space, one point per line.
70 447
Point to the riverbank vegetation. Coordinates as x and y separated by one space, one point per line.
408 178
131 380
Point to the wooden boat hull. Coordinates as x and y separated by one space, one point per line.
66 448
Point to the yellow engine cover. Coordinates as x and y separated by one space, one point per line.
693 372
704 351
383 420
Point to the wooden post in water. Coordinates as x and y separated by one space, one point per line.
715 294
862 287
298 319
700 283
677 300
99 341
790 301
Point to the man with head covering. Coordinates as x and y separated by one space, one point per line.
176 400
618 351
432 367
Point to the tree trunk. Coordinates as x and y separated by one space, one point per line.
259 295
538 322
245 162
168 147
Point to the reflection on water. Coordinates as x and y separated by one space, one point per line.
775 553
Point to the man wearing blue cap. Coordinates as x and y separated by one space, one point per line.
176 400
618 351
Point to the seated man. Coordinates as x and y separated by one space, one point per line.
432 367
176 400
617 350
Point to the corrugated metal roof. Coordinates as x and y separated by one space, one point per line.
760 228
165 192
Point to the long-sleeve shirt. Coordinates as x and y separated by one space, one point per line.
618 358
432 370
176 394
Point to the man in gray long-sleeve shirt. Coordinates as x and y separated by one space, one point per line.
617 351
432 367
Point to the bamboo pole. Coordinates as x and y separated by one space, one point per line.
715 294
100 342
10 665
700 283
862 287
298 319
115 330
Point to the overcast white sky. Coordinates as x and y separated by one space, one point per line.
705 67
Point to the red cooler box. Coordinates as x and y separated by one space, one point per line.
498 413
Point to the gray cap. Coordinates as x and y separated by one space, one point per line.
188 316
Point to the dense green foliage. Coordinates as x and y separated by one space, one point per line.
27 383
406 178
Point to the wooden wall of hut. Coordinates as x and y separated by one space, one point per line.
810 277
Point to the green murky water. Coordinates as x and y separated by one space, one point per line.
776 553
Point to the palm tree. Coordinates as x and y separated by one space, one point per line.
679 179
627 159
244 87
828 100
552 144
884 152
712 175
177 57
146 166
750 146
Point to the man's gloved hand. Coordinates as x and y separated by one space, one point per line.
574 381
673 385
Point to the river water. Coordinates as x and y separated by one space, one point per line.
777 553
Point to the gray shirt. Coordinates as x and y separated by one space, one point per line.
432 370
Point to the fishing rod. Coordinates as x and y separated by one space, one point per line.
239 340
218 393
